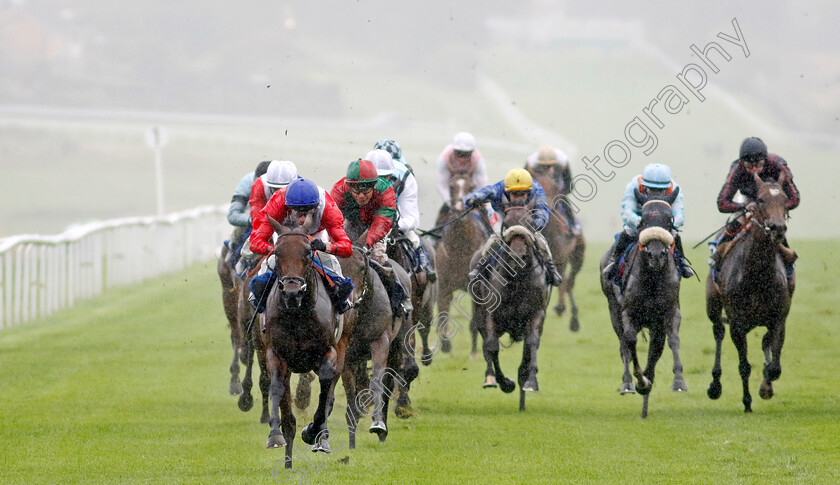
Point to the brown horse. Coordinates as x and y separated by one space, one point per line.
423 297
461 238
649 297
300 334
752 288
243 339
513 300
566 248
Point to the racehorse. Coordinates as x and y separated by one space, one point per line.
243 339
752 288
512 300
566 248
299 335
461 238
423 296
649 297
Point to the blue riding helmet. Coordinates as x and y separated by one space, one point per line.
390 146
302 192
656 176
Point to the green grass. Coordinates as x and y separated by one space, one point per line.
131 387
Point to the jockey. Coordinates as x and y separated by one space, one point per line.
277 176
518 188
754 158
239 212
655 180
408 214
461 157
304 201
556 162
368 201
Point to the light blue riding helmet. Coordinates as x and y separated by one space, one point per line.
656 176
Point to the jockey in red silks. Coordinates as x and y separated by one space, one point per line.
305 204
368 201
276 177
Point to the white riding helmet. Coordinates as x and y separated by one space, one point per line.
463 142
382 160
656 176
280 173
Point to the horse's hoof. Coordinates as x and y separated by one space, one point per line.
322 445
246 402
264 418
627 388
276 441
489 381
411 372
403 407
308 434
559 309
531 386
679 386
714 390
235 388
507 385
473 356
446 346
380 429
644 386
574 325
766 390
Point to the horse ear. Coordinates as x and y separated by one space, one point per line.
278 228
673 196
640 197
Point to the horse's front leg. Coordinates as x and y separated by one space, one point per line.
288 417
316 432
630 337
674 343
772 344
739 338
276 371
528 369
379 356
714 309
246 400
491 354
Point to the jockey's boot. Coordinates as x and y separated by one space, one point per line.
339 293
425 264
399 298
624 240
685 268
683 265
789 257
260 286
552 276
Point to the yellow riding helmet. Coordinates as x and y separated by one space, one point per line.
518 179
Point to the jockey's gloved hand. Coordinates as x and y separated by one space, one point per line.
471 202
318 245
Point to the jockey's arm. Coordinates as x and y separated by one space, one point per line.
407 204
480 175
482 195
728 191
333 222
540 212
630 212
443 179
677 208
238 214
789 187
383 217
261 234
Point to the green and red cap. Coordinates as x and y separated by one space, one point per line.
361 172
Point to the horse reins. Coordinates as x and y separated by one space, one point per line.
432 231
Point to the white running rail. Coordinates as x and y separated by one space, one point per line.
42 274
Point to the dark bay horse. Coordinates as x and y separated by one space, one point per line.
244 340
566 248
300 336
752 288
512 300
649 298
460 240
423 296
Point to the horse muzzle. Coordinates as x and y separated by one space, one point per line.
292 290
776 232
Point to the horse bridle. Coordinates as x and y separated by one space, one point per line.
283 279
365 286
758 214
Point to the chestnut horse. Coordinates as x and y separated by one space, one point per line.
566 248
649 297
752 288
244 340
461 238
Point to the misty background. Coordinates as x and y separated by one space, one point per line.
318 83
